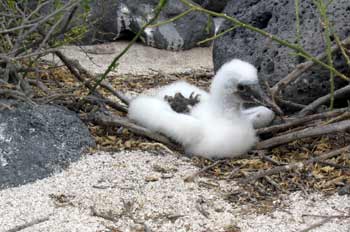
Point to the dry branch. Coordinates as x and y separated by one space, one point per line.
289 104
16 95
297 165
116 121
300 121
110 103
78 71
29 224
301 68
190 178
323 221
317 224
308 132
339 93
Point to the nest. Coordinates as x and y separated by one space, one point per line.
327 176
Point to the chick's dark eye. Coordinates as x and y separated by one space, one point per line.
241 87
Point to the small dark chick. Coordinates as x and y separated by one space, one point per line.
180 104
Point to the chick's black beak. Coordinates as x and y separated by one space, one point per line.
253 93
250 92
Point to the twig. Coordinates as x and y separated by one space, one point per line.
269 159
322 222
302 120
16 95
335 165
325 216
5 106
342 49
76 69
72 68
29 224
39 84
172 19
339 118
297 165
339 93
308 132
117 94
301 68
316 225
191 177
287 103
274 184
297 21
217 36
110 103
53 97
109 120
68 20
322 8
35 26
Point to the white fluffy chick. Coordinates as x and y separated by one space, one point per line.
216 127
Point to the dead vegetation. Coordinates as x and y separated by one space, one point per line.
318 162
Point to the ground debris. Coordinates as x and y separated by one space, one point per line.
328 176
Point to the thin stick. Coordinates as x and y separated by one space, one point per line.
308 132
72 66
109 120
297 165
16 95
29 224
302 120
322 8
190 178
326 216
297 21
218 35
301 68
316 225
104 84
172 19
339 93
342 49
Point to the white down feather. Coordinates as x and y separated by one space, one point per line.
215 127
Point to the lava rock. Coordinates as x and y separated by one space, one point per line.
115 19
36 141
110 20
106 22
275 61
213 5
344 190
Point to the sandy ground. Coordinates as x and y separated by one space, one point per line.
139 191
147 192
139 60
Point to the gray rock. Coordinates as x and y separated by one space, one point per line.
36 141
214 5
110 20
106 22
115 19
273 60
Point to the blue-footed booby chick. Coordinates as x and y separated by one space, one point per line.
217 126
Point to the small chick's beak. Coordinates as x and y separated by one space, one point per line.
252 92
